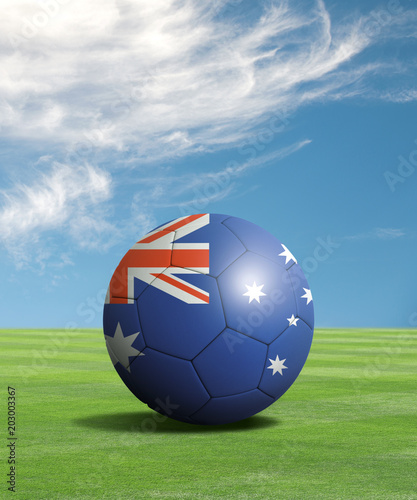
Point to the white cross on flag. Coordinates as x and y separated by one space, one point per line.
157 258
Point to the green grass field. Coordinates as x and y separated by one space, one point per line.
345 430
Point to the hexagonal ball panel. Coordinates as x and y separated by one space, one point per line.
174 327
263 320
289 350
169 383
238 366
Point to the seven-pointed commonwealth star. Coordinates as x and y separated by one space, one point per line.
120 347
287 254
254 292
277 365
307 295
293 320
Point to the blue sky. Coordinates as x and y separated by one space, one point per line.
298 116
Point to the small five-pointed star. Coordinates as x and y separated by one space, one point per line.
254 292
293 320
307 295
287 254
277 365
120 347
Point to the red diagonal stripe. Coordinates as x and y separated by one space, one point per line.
118 300
182 287
136 258
118 284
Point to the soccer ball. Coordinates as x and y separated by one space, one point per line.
208 319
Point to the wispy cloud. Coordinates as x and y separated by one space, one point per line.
168 78
400 96
195 191
140 81
65 198
379 233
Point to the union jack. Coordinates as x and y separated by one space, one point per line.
156 258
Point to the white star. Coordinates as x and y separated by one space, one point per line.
307 295
277 365
254 292
287 254
293 320
120 347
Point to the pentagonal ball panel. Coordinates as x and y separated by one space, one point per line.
169 383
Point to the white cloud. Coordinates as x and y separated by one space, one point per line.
401 96
388 233
170 77
157 80
66 198
379 233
